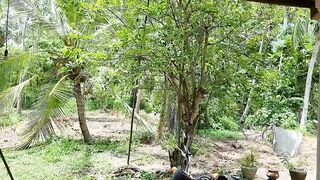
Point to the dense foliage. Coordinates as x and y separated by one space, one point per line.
223 65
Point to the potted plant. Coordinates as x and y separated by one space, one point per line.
297 170
249 165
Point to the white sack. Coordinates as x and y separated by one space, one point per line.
286 142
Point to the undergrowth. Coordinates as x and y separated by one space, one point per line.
221 134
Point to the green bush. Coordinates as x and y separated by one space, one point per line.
100 102
146 106
311 127
287 120
228 123
264 117
260 118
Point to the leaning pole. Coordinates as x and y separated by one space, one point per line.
134 97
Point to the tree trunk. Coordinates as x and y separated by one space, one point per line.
173 123
164 110
247 108
81 113
308 83
138 101
189 118
138 107
186 145
206 121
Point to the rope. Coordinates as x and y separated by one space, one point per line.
7 30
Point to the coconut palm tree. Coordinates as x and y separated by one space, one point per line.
54 100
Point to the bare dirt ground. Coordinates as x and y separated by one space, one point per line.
216 153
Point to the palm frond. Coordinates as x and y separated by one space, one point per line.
19 62
298 33
51 104
10 96
46 13
302 29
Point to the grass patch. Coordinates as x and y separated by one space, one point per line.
120 147
221 134
64 158
144 159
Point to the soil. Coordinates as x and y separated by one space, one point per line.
213 154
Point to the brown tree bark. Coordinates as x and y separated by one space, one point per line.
81 113
190 117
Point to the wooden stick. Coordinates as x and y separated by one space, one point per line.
6 165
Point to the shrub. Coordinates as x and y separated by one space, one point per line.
287 120
260 118
228 123
311 127
264 117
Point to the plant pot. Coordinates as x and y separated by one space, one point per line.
224 177
249 172
298 174
180 175
272 174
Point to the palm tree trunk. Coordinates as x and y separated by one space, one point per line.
81 113
308 84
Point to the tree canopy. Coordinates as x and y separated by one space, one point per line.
214 64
